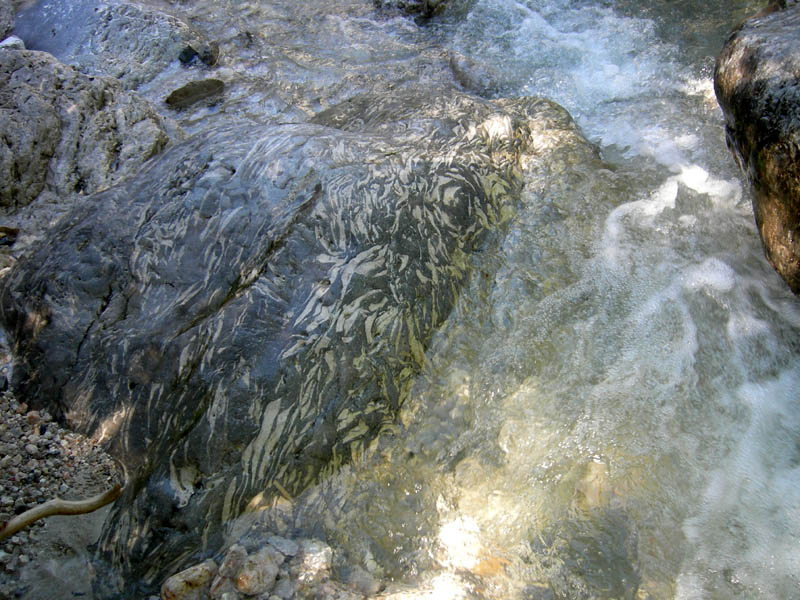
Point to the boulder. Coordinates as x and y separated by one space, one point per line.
420 8
64 134
247 313
757 82
131 43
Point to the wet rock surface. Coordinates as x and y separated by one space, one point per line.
757 85
267 571
421 8
245 315
129 42
295 273
194 91
64 135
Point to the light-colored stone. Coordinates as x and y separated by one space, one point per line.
257 574
284 589
233 561
190 583
315 559
360 579
12 42
284 545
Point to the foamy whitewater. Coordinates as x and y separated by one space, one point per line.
616 413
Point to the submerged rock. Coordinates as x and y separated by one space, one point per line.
246 314
129 42
64 133
758 87
193 92
422 8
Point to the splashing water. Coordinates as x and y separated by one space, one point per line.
612 410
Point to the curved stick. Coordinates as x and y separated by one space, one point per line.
57 506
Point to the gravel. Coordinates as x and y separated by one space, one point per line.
41 461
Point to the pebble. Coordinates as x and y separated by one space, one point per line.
187 583
284 545
257 574
13 42
315 558
40 461
233 561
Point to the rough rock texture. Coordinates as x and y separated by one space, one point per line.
246 314
38 462
422 8
131 43
757 82
6 19
63 133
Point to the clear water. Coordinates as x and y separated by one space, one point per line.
613 410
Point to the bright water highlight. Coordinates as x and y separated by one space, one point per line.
613 409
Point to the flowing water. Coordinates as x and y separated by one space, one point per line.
613 409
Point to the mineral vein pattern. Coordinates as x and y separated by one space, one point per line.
247 313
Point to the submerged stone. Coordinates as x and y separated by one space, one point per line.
195 91
126 41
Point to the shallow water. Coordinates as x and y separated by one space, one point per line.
612 410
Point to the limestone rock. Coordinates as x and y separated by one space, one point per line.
63 133
313 562
257 574
12 42
422 8
758 87
190 584
247 313
126 41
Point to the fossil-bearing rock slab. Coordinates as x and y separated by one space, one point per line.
246 314
757 81
64 134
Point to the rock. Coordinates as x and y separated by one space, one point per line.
190 584
221 586
471 75
132 43
360 579
284 589
6 19
233 561
12 42
422 8
248 312
284 545
64 134
258 573
194 91
208 54
757 85
314 561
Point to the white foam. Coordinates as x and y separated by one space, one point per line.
750 517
